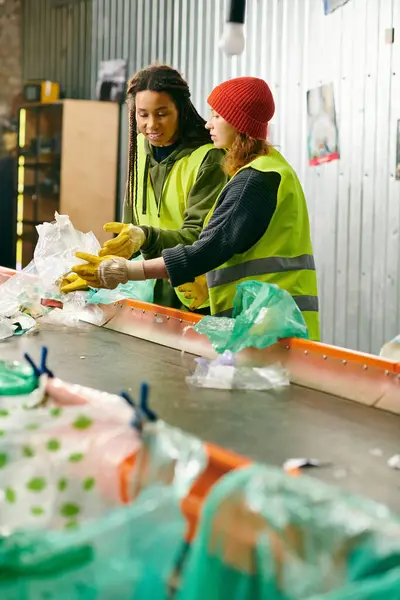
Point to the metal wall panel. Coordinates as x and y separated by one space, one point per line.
354 202
57 44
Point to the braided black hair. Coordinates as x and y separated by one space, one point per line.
162 78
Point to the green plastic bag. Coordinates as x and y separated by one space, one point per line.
132 290
265 535
16 379
263 313
127 555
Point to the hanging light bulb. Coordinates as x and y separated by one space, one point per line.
232 40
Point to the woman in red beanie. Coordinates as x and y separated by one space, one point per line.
258 228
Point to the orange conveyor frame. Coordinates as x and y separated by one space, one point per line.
343 373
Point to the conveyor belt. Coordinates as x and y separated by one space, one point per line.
268 427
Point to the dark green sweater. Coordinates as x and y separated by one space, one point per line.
209 183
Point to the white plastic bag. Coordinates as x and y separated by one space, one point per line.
223 374
56 248
53 257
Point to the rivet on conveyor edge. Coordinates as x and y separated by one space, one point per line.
365 367
324 356
42 369
305 352
143 412
344 362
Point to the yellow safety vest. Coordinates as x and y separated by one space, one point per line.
283 255
175 194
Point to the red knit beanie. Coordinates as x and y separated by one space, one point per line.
246 103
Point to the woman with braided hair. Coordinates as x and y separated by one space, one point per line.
174 174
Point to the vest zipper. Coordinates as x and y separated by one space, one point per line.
144 190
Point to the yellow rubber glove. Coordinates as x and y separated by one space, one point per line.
108 271
197 290
128 241
72 283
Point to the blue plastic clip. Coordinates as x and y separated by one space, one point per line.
43 369
142 412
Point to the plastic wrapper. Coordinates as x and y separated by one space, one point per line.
267 536
263 313
168 456
223 373
127 554
133 290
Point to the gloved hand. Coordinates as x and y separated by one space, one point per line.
128 241
72 283
108 271
198 290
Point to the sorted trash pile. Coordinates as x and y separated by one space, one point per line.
36 291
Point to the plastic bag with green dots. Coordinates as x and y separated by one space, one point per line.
267 536
59 465
263 313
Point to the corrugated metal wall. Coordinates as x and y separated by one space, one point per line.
57 44
353 203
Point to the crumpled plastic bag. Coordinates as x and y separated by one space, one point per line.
263 313
223 374
56 247
265 535
54 256
134 290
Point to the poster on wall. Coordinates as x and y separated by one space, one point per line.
323 136
331 5
111 80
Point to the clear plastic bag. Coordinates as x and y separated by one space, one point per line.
56 247
265 535
54 256
263 313
168 456
223 373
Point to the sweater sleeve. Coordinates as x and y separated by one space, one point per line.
241 218
203 195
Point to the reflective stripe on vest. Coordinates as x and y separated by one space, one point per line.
176 190
260 266
283 255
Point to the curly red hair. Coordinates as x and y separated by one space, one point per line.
243 150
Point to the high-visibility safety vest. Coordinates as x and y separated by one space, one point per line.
283 255
175 194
